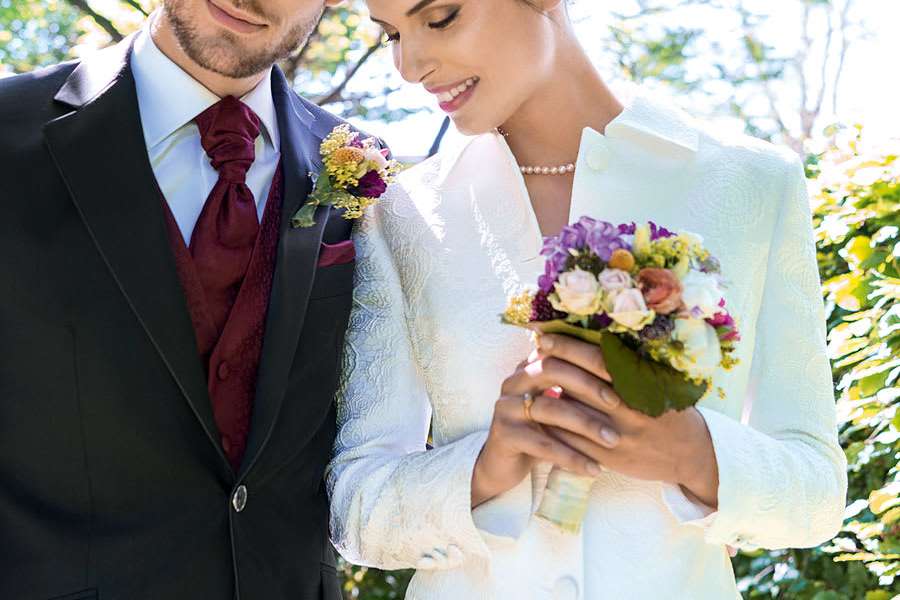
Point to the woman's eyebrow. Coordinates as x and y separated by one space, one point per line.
418 7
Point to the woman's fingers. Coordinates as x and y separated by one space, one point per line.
570 415
581 354
549 372
527 436
535 442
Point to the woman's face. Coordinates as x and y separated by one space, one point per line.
482 59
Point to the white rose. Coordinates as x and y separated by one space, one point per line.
628 309
578 293
702 353
375 155
701 294
612 280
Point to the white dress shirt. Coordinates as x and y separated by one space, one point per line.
169 99
437 258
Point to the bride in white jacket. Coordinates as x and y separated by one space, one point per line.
438 257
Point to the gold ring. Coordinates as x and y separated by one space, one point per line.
528 402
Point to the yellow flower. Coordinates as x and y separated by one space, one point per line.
339 138
346 157
519 310
621 259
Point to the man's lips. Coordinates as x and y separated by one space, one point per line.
232 19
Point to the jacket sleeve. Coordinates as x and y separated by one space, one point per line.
394 503
782 477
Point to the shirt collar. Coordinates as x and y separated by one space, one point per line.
169 98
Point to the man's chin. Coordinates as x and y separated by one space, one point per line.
222 59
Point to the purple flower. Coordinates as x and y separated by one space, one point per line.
603 239
601 321
546 281
657 232
355 141
572 237
370 186
627 228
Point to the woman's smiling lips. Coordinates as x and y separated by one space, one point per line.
452 97
231 19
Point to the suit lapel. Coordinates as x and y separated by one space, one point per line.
295 266
99 149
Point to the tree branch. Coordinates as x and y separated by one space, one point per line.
335 94
137 6
845 42
102 21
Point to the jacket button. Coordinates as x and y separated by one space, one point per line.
239 499
598 157
565 588
223 371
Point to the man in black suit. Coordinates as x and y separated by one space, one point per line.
171 344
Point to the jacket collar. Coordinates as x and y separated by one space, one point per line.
95 74
650 123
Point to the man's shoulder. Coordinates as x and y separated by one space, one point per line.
28 97
326 120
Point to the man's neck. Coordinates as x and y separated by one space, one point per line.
164 37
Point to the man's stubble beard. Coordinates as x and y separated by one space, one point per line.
224 54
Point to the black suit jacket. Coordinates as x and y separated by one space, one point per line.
112 482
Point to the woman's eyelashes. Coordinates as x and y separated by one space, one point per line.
447 21
394 37
389 38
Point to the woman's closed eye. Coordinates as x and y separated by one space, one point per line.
446 21
392 37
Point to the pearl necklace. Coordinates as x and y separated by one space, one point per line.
560 170
537 170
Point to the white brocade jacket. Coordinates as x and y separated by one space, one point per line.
438 258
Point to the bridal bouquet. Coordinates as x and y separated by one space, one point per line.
652 300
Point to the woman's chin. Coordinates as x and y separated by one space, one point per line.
470 127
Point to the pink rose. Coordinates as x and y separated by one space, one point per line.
661 289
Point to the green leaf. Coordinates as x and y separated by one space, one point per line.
885 498
305 217
644 385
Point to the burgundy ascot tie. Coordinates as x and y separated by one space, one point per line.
225 234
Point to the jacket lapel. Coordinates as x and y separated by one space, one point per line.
295 266
99 149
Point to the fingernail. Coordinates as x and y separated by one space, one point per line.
609 436
610 399
594 470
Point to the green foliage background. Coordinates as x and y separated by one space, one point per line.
856 197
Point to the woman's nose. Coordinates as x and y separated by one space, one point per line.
413 61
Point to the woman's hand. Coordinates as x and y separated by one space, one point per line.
675 447
519 438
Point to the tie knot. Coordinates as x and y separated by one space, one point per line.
228 132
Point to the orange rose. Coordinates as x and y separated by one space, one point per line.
661 289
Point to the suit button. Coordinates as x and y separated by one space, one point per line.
598 156
239 499
565 588
223 371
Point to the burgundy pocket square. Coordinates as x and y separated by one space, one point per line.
337 254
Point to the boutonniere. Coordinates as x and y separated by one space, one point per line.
356 173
